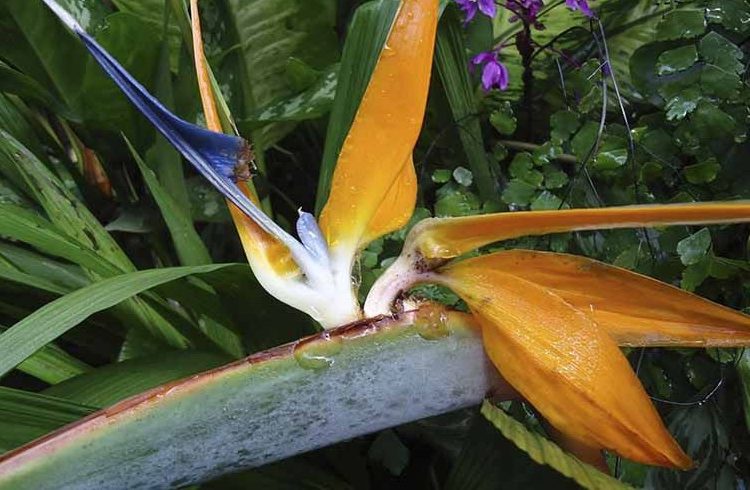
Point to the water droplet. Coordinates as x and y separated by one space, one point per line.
432 323
318 354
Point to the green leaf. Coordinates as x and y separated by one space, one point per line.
701 431
313 103
677 59
681 24
67 276
451 62
191 251
267 408
368 32
721 75
554 178
453 200
54 319
488 461
683 104
584 140
563 124
110 384
25 416
206 203
14 82
61 206
503 119
20 224
441 176
712 123
52 364
719 82
388 450
18 277
162 158
695 247
732 14
463 176
260 38
301 75
702 173
136 45
546 200
519 192
613 153
522 168
189 246
694 274
544 451
719 51
67 213
35 42
152 12
743 369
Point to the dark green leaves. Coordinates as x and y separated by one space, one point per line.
109 384
677 59
693 248
451 63
56 318
25 416
683 23
544 451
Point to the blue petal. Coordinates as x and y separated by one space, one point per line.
311 237
214 155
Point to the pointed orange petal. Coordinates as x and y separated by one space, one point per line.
564 364
384 130
451 237
398 205
262 250
635 310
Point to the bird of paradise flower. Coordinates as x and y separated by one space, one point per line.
551 323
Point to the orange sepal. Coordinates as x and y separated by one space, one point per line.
397 206
635 310
442 238
384 132
564 364
261 249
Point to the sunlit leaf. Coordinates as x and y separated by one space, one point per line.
54 319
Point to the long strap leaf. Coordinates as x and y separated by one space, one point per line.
51 321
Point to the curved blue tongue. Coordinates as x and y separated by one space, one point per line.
216 156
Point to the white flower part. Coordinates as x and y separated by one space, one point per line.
398 278
323 288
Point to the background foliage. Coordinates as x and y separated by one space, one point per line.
89 193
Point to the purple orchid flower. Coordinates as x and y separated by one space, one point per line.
582 5
470 8
525 9
494 73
